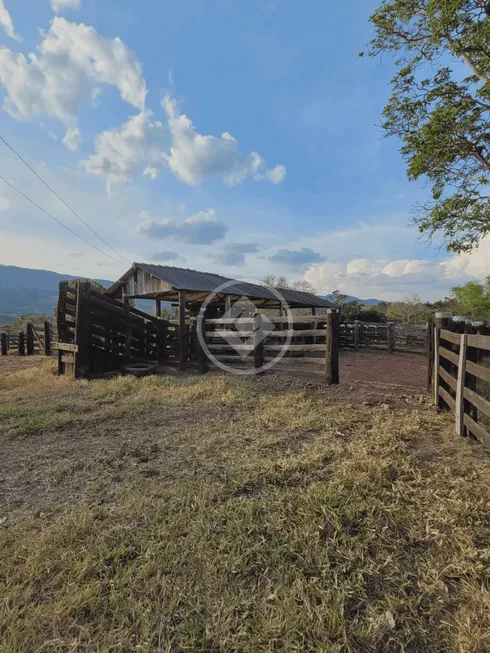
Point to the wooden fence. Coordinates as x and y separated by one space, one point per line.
459 367
98 334
34 338
259 343
391 336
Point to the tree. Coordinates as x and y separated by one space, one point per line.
94 284
441 116
409 311
473 299
282 282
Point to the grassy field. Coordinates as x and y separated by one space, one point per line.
219 514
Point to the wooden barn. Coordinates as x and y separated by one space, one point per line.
190 288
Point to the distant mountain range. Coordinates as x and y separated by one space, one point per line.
24 291
350 298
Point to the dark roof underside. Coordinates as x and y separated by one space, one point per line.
193 281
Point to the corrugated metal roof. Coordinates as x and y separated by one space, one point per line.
195 281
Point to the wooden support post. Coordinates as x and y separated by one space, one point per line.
460 385
441 321
473 355
158 308
5 350
127 326
161 342
29 339
357 334
82 331
47 338
22 344
332 348
258 342
182 331
430 352
391 337
227 303
202 359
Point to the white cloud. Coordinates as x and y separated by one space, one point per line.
72 138
60 5
200 229
194 157
474 264
392 280
73 59
134 147
6 22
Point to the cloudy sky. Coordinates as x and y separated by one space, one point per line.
235 136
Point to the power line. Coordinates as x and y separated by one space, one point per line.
62 200
56 220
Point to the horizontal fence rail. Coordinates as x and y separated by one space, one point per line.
256 344
459 363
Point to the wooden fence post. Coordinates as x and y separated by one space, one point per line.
357 334
47 338
258 342
29 339
5 350
21 344
460 385
82 331
161 341
182 331
441 321
332 348
391 337
202 359
127 327
430 352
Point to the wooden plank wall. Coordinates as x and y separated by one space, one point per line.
108 334
461 375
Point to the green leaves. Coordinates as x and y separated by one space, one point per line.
442 118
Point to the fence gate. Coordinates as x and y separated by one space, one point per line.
258 343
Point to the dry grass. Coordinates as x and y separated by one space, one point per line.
216 514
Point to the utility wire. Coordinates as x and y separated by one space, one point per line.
62 200
56 220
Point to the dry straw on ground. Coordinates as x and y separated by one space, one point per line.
216 514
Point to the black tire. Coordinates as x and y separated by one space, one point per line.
139 369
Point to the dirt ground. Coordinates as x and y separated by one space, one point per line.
368 379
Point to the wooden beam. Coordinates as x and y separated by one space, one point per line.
258 344
182 331
158 308
460 385
47 338
441 321
332 348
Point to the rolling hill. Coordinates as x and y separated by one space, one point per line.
24 291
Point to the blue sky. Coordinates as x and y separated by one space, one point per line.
237 136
